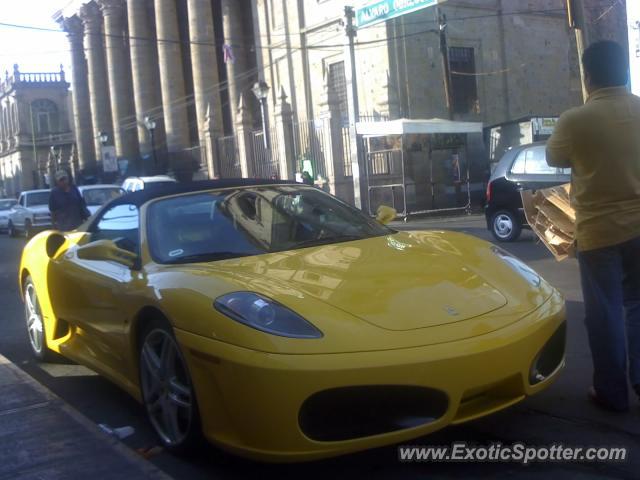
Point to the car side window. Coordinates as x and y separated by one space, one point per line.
120 224
533 161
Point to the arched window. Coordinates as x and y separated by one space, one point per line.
45 116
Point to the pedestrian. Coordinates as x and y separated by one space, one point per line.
66 204
306 178
599 141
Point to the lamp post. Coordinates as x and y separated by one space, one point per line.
150 125
261 91
104 138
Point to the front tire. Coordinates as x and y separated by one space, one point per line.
35 322
167 390
11 230
505 226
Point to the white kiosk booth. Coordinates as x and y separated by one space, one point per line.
421 166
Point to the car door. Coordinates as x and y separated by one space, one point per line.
20 211
91 294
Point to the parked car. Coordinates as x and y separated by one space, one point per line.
521 168
133 184
6 204
30 214
286 325
95 196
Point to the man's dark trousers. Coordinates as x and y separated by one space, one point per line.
611 289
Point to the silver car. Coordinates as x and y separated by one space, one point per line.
30 214
6 204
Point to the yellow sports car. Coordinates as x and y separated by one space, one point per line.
286 325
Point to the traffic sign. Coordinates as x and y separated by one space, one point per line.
381 10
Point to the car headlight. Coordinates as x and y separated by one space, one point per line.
524 270
265 315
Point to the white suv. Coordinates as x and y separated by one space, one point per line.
30 214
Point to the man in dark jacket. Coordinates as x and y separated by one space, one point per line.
66 204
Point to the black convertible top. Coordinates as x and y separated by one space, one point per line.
152 191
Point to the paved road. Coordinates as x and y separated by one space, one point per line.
559 415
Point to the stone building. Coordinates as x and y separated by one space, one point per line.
150 77
259 87
35 132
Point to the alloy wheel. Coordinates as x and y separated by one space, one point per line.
35 326
166 387
503 225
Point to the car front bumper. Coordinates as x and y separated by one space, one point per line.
256 404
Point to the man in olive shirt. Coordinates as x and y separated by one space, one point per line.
600 141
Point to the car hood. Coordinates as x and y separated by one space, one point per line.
398 282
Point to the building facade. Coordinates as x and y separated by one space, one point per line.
260 87
35 132
160 80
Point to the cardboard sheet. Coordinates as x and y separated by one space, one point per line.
549 213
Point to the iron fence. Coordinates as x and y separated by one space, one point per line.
345 149
265 158
309 144
228 157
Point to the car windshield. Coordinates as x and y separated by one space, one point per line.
212 226
7 204
100 196
37 199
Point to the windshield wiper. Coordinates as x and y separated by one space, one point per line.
325 240
206 257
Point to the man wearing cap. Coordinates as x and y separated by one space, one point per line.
66 204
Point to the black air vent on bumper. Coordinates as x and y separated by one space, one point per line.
550 357
354 412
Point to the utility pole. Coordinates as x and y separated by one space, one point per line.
360 193
444 53
576 17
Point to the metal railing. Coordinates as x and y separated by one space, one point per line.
228 157
309 142
264 162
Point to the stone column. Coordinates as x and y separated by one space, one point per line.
333 144
211 134
144 68
172 83
205 77
243 137
120 90
284 130
234 35
97 70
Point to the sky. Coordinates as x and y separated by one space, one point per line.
33 51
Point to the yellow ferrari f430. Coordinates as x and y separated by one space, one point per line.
283 324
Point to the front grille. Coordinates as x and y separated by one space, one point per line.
354 412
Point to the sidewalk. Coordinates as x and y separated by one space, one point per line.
41 437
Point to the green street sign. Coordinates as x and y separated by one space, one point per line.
381 10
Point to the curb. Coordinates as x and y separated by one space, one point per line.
52 401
